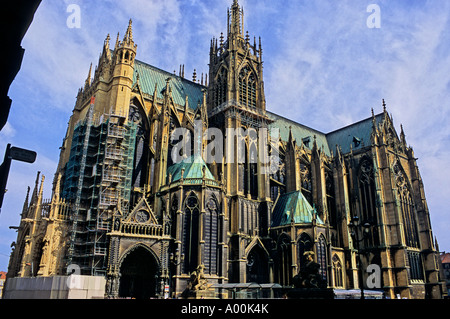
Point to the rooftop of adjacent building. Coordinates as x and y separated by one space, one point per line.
445 258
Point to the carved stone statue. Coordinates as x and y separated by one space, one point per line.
309 276
198 280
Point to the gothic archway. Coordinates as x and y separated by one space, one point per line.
257 266
139 273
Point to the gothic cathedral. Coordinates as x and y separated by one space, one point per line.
160 175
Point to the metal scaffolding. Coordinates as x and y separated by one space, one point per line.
97 180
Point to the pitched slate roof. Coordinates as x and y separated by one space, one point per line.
149 76
293 205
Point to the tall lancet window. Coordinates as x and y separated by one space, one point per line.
190 232
247 87
407 207
367 199
141 146
322 256
211 236
221 87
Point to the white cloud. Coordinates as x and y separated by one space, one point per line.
7 131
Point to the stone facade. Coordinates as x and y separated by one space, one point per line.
124 209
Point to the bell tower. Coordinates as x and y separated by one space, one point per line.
237 106
122 78
236 66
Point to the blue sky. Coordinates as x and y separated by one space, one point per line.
323 68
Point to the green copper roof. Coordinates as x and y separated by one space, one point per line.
301 133
357 135
293 205
149 76
193 169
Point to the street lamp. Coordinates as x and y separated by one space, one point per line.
176 260
354 226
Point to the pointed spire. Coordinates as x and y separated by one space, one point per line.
56 194
117 42
106 44
402 135
41 187
436 244
25 203
291 137
374 121
88 80
260 50
35 190
236 23
128 38
155 92
186 104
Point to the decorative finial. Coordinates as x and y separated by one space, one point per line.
129 34
88 79
117 41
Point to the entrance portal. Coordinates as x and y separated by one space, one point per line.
139 274
257 266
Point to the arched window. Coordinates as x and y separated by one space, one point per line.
284 260
221 87
322 256
253 162
251 91
190 232
304 244
257 266
367 199
411 234
407 207
140 156
247 87
173 215
338 273
331 203
211 236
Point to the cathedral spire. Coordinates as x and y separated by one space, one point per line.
128 38
237 19
87 84
106 43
